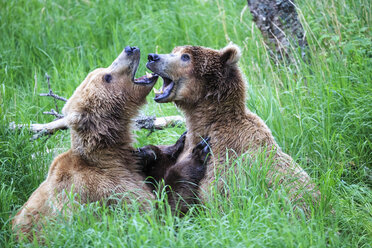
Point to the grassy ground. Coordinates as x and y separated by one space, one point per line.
320 113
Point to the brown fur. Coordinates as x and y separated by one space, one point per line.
181 178
210 89
184 177
156 160
101 161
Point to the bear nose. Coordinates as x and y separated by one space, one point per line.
153 57
129 49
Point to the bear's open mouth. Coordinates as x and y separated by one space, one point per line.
147 79
165 91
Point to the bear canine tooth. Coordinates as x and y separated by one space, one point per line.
156 91
148 75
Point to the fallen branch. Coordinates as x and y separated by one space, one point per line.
41 129
144 122
152 122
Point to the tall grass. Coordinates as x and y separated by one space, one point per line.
320 113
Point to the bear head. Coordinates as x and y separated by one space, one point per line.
194 73
101 108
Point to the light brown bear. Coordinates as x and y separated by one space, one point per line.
101 161
208 86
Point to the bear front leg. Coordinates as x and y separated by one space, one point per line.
28 217
183 178
173 151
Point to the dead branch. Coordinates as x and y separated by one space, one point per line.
51 94
55 97
168 121
54 113
144 122
41 129
152 122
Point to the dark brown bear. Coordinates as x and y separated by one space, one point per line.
157 159
180 178
208 86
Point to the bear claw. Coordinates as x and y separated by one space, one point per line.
202 149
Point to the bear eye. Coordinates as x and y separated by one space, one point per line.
107 78
185 57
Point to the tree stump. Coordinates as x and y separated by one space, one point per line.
280 27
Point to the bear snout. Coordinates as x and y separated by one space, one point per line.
129 49
153 57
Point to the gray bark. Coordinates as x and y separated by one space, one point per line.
279 24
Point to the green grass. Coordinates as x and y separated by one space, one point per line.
320 113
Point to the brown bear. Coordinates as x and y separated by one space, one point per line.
156 160
208 86
181 178
101 161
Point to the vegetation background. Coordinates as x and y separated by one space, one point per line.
320 113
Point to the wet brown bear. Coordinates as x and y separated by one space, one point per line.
208 86
101 161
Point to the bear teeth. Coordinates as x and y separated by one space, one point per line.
148 75
156 91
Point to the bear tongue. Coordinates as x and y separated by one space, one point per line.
141 78
146 79
165 91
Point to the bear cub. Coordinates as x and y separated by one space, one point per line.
181 178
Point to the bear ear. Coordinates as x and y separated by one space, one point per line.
230 54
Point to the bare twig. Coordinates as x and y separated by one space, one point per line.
51 93
55 97
54 113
